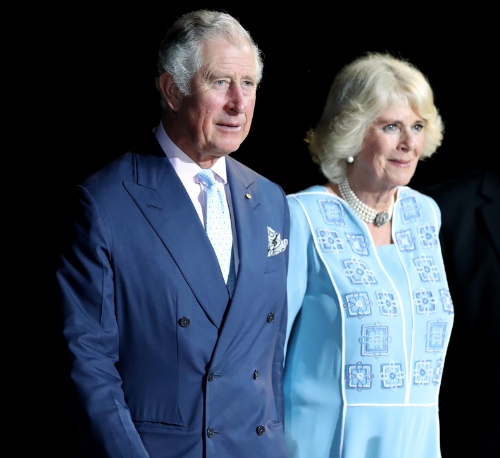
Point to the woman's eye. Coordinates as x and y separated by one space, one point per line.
390 127
418 127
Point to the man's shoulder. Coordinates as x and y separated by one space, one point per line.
467 189
251 176
462 184
123 167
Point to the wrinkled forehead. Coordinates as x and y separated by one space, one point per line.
237 53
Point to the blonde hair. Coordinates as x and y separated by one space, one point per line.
360 91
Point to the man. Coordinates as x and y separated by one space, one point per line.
174 284
470 240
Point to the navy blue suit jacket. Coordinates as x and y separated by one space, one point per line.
160 362
470 241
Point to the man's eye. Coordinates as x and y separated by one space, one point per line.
220 82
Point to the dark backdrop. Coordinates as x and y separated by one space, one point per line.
94 98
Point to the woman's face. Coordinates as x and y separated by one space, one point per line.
391 149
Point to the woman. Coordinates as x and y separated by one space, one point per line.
370 313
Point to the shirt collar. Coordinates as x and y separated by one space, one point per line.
182 163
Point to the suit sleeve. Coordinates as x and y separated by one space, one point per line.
278 360
91 339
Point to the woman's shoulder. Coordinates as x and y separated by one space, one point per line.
300 201
422 200
406 191
315 189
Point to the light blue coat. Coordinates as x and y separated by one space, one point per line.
368 329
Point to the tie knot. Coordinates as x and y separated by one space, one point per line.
207 176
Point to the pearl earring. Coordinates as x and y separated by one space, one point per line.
350 159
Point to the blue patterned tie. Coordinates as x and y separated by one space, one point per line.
218 227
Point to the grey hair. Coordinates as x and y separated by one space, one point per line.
180 52
360 91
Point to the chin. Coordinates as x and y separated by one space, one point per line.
403 179
228 148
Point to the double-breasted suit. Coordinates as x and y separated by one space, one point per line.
161 362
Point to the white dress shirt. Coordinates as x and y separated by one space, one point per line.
187 170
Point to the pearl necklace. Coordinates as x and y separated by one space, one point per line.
366 213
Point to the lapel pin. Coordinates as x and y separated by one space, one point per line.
248 196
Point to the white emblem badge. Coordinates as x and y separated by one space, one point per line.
274 243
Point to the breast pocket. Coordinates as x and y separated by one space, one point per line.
275 263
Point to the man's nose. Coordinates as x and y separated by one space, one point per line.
236 98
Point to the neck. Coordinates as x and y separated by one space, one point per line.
175 133
378 199
367 213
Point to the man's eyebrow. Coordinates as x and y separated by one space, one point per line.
213 75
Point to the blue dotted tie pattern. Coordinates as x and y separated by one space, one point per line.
218 227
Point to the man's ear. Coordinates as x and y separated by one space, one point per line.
172 94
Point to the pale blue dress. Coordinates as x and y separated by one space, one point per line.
368 329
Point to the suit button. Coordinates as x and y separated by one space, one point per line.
255 373
184 321
210 376
270 318
261 430
210 432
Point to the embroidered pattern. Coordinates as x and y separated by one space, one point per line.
446 300
405 241
436 332
392 376
422 373
410 210
375 339
359 376
358 272
358 243
426 269
424 301
387 303
357 304
388 348
438 371
330 241
428 236
275 244
332 212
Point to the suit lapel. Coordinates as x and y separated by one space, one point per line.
490 188
251 234
164 202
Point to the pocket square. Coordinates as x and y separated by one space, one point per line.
274 243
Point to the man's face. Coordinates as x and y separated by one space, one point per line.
216 117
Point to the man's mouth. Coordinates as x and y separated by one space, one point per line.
229 127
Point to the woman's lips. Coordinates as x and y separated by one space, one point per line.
400 162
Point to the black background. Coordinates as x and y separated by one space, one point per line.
92 98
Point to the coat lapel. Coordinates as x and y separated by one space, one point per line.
164 202
251 235
490 189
